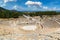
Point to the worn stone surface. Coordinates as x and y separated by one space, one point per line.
12 30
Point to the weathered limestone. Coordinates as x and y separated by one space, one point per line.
23 29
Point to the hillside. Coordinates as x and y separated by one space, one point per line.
4 13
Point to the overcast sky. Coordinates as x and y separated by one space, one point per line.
31 5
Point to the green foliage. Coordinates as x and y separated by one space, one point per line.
15 14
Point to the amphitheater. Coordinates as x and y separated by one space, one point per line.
30 28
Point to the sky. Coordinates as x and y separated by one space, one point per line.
31 5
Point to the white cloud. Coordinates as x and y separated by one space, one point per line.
3 5
45 7
31 3
54 8
38 6
48 8
14 7
51 9
5 1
